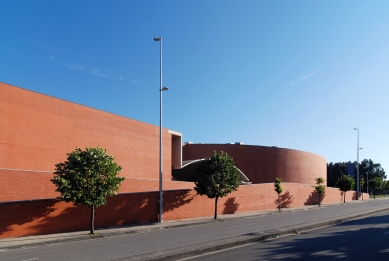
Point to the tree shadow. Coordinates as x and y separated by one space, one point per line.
312 199
230 206
22 212
337 242
52 216
176 198
286 200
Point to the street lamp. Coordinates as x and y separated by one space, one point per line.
358 148
161 89
367 177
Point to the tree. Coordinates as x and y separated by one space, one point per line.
320 188
216 177
86 178
367 169
361 183
335 171
375 184
278 189
385 185
345 183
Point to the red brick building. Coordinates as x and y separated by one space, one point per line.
36 132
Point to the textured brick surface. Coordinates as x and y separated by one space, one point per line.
36 132
263 164
50 216
27 185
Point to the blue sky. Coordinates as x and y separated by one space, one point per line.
292 74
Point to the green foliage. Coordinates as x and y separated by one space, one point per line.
278 189
320 188
87 177
345 183
375 184
361 183
366 168
386 185
216 177
277 185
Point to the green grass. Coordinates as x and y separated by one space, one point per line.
378 196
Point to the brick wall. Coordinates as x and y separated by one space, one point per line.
36 132
263 164
16 185
51 216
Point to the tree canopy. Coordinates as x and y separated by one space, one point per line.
345 183
375 184
216 177
320 188
86 178
367 167
278 189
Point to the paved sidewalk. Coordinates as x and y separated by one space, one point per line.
41 240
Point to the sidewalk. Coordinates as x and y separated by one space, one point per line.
41 240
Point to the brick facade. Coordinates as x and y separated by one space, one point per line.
263 164
51 216
36 132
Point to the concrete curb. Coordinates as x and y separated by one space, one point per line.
189 251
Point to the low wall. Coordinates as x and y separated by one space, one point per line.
23 218
32 185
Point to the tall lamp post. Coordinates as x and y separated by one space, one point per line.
367 177
161 89
358 148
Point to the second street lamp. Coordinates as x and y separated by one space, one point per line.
358 148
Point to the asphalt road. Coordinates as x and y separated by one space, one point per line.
154 244
364 239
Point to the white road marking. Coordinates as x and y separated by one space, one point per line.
236 226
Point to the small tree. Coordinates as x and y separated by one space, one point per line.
375 184
216 177
361 183
278 189
320 188
345 183
385 185
86 178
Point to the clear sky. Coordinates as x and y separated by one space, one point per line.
292 74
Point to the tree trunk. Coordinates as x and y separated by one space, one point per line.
279 202
216 199
344 197
92 220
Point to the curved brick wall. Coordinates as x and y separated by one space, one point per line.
263 164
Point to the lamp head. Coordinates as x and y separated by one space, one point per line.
164 89
356 129
157 39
